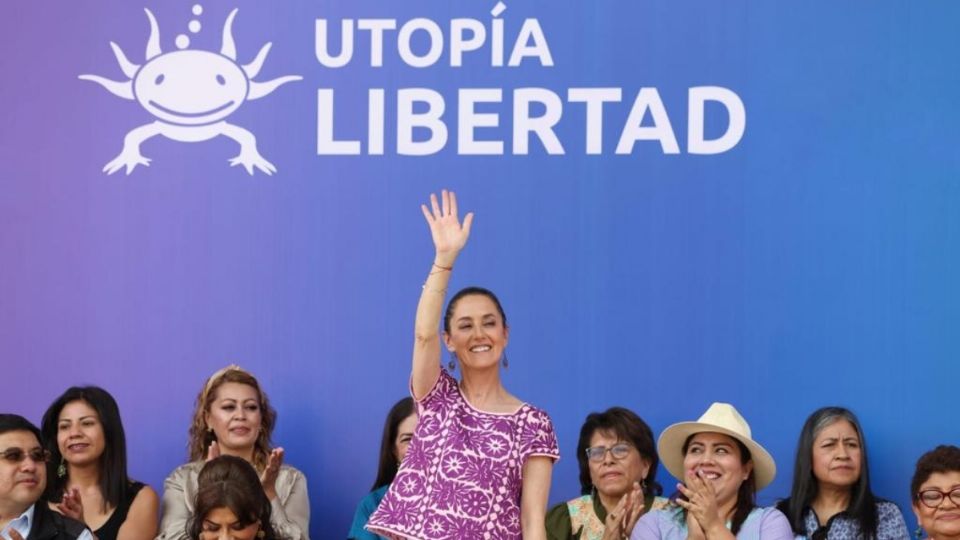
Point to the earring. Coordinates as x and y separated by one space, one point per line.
453 361
261 534
919 532
62 468
506 363
643 486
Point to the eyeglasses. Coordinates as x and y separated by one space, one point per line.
931 498
618 451
17 455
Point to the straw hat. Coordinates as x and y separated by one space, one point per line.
719 418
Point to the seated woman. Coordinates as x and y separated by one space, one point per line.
397 433
618 464
230 503
233 417
722 468
831 497
87 472
935 490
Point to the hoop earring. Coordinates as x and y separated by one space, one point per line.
506 362
452 365
643 486
62 468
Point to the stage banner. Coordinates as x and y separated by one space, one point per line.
677 202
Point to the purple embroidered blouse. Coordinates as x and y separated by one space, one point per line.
461 477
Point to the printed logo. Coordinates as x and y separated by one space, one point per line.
190 93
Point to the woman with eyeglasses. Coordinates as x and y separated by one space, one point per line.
480 461
935 491
831 497
618 465
87 475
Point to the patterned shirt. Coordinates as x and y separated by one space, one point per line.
462 475
842 526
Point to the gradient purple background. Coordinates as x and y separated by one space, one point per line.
816 263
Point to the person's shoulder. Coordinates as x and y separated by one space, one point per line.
888 510
184 472
291 471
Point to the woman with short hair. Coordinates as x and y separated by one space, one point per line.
935 492
618 465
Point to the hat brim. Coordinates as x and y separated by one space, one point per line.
670 449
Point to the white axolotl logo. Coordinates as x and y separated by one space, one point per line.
190 92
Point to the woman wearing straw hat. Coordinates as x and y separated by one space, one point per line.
722 468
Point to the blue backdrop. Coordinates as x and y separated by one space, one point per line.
811 262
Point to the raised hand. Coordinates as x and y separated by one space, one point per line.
269 476
449 236
634 509
213 451
621 520
701 501
71 505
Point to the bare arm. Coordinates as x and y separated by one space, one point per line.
141 522
533 499
449 237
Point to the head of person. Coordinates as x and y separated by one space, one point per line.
82 428
935 492
720 450
832 456
616 449
397 434
233 410
475 328
23 473
230 503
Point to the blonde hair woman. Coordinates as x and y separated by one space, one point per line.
233 417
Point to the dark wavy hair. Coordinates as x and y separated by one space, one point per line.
863 504
231 482
627 426
746 493
112 464
470 291
387 468
942 459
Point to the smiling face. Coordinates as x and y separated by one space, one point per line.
611 476
80 435
477 333
21 482
222 524
942 522
190 87
717 459
837 455
404 436
234 416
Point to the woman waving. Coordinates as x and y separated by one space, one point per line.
480 461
